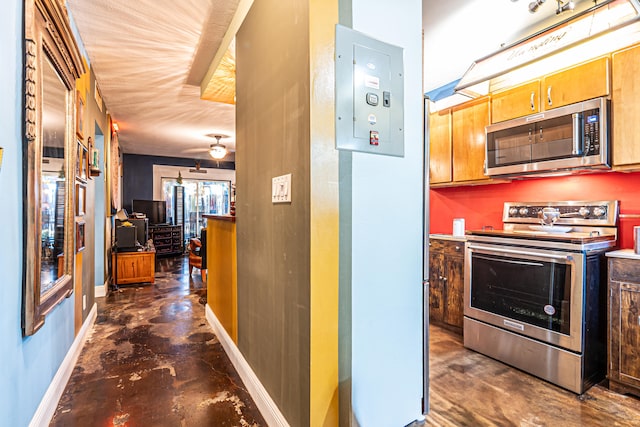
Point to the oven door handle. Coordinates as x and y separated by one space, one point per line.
520 252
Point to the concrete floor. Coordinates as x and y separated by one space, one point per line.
153 360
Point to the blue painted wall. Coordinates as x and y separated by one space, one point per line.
137 174
27 365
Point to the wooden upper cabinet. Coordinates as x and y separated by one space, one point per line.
468 139
625 103
440 147
516 102
586 81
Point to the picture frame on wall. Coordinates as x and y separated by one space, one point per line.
81 199
79 114
82 162
80 235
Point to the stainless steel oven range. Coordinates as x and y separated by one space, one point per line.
535 292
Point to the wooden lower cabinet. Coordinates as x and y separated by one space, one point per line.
134 267
446 282
624 325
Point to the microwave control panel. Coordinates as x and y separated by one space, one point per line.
591 135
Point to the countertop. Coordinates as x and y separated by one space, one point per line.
624 253
448 237
220 217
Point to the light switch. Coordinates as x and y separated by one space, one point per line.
281 189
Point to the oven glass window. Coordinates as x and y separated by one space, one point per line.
529 291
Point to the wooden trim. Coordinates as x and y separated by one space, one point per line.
261 397
221 217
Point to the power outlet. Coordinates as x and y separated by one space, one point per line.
281 189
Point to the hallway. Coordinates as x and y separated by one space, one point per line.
153 360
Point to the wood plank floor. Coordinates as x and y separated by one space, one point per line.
470 389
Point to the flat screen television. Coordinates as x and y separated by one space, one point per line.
155 210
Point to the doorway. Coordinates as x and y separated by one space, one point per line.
100 216
201 197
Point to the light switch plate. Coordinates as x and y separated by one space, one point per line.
281 189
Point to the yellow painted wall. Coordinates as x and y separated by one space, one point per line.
323 16
82 85
222 288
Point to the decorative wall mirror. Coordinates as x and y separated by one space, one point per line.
52 64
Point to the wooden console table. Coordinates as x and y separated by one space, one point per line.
134 267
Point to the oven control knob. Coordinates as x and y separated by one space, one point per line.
584 212
513 211
524 211
599 211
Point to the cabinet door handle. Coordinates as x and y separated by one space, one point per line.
549 101
638 320
444 279
533 96
458 248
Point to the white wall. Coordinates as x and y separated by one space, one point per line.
387 202
459 32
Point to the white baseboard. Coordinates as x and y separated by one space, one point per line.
265 404
49 402
101 291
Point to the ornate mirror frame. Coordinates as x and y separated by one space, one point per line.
48 46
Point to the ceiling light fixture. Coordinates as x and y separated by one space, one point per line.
534 5
570 5
217 150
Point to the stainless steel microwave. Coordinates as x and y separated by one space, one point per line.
574 137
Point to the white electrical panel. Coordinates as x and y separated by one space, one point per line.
369 94
281 189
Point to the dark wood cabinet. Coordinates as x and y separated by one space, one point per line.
624 323
446 282
167 239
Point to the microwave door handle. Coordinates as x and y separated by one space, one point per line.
519 252
578 146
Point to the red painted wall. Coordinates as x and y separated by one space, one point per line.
482 205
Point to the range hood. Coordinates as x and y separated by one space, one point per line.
598 30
